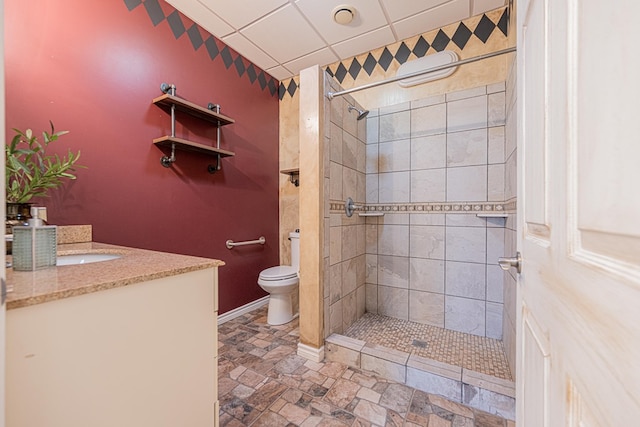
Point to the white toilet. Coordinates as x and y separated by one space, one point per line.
281 282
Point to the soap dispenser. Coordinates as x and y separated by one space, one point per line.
34 245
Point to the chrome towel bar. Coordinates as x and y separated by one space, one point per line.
231 244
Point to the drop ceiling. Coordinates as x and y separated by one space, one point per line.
285 36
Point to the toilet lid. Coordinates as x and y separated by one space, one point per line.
279 272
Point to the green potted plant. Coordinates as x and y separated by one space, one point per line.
30 172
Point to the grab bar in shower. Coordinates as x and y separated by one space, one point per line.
231 244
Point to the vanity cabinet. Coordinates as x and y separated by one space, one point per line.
144 354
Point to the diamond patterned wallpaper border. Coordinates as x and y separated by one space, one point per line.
460 37
213 45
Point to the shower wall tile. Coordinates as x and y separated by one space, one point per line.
361 188
349 245
466 114
427 219
404 106
495 283
467 244
361 161
495 245
372 155
426 275
496 145
426 308
337 106
467 183
349 310
465 279
349 276
426 241
335 170
361 302
395 126
428 185
371 269
467 93
429 152
393 240
494 320
349 150
335 245
361 239
465 220
496 109
395 219
495 182
362 131
335 283
371 298
335 318
394 156
371 237
431 120
372 188
467 148
373 126
465 315
393 302
336 144
349 120
425 102
349 183
394 187
393 272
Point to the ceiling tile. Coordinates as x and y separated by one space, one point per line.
239 13
249 50
320 57
481 6
284 35
279 72
364 43
441 16
369 16
203 16
400 9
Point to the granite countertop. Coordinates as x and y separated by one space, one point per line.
136 265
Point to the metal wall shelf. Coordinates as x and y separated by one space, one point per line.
211 114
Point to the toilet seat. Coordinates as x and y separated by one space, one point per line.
280 272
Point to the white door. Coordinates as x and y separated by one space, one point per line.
579 213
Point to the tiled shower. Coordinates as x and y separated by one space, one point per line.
430 164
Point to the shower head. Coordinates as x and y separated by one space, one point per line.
361 113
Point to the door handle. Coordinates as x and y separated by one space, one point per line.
507 263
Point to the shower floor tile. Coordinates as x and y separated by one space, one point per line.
479 354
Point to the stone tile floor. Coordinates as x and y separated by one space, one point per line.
263 382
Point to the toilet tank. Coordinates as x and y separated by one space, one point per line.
294 237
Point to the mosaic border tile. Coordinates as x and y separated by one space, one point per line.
446 207
430 42
216 49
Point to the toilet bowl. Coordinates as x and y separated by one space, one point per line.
281 282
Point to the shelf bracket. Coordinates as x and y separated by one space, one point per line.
168 161
215 107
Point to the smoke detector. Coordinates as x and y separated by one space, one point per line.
344 14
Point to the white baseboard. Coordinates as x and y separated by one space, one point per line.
237 312
311 353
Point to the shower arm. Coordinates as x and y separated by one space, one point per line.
332 95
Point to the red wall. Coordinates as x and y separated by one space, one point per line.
93 67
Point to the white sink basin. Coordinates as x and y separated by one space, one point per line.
76 259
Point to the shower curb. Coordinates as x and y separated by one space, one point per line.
471 388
